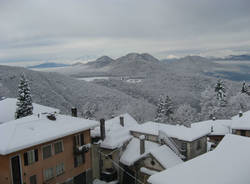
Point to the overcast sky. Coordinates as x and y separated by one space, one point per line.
67 30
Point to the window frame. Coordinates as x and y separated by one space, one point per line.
51 151
59 141
35 179
33 156
78 139
44 175
198 144
63 166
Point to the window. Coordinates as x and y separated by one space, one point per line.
243 132
48 174
47 151
198 145
33 179
79 159
183 146
59 168
79 140
58 146
30 157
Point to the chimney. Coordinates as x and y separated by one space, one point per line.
212 128
74 112
240 114
214 118
122 121
142 144
102 128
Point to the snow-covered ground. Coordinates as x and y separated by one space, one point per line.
89 79
134 80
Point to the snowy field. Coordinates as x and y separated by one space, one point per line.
89 79
128 80
134 80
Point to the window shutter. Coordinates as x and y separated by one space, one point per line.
75 161
36 154
74 141
83 158
25 158
82 139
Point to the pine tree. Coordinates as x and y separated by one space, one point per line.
220 92
24 100
244 88
159 117
164 110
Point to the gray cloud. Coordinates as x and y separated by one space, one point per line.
45 29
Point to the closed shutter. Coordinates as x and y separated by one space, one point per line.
74 141
83 157
83 154
75 162
36 154
82 139
25 158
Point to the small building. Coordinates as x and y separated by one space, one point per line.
142 159
218 129
46 149
8 109
109 140
241 124
228 163
189 142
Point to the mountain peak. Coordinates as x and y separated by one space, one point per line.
138 57
104 59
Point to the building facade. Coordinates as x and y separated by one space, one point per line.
52 162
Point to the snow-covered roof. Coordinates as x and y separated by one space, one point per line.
33 130
241 123
147 171
219 127
166 157
132 152
116 135
229 163
8 109
174 131
162 153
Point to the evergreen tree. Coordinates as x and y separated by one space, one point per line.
168 107
24 100
185 115
244 88
159 117
164 110
220 92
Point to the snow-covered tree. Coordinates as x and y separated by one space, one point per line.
210 105
239 102
185 115
24 99
164 110
244 88
220 92
89 111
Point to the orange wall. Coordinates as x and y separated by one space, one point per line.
67 157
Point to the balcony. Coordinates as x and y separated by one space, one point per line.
82 149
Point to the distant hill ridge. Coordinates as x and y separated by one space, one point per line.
48 65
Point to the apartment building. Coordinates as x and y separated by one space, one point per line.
46 149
